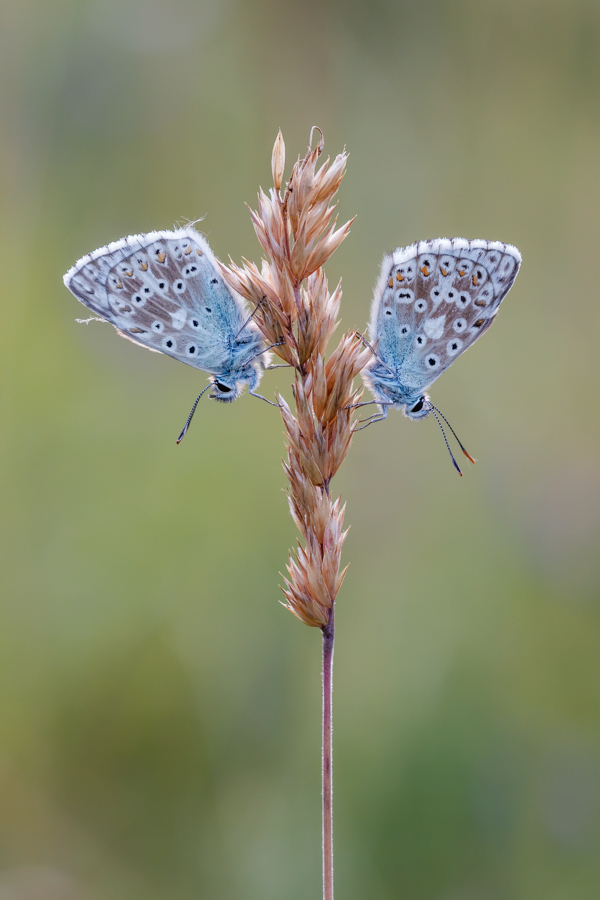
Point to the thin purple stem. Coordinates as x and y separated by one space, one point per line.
328 637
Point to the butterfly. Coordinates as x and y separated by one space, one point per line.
165 291
432 301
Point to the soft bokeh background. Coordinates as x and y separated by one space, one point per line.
159 711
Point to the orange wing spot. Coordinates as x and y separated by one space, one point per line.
188 251
444 272
391 282
119 283
475 281
144 267
425 271
462 272
478 323
199 252
130 273
399 277
479 302
137 331
161 256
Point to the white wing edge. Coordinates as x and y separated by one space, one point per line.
134 242
448 245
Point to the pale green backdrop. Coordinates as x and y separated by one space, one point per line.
159 711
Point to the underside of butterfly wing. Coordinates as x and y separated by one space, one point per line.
432 301
164 291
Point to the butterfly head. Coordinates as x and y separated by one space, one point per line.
226 390
418 409
228 386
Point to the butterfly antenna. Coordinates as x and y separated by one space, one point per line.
251 316
433 410
466 452
191 415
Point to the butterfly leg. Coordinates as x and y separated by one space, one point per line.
364 403
260 397
260 353
377 417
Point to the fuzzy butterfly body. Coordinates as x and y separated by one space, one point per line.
164 291
432 301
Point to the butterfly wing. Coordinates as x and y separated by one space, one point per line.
434 299
164 291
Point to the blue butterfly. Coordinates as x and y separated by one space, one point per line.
432 301
165 291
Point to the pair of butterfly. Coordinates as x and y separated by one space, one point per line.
433 300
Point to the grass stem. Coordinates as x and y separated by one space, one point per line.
328 640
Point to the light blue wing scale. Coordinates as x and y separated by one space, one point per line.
164 291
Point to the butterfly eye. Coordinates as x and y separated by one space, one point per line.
222 387
418 406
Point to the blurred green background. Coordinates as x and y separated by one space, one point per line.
160 730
